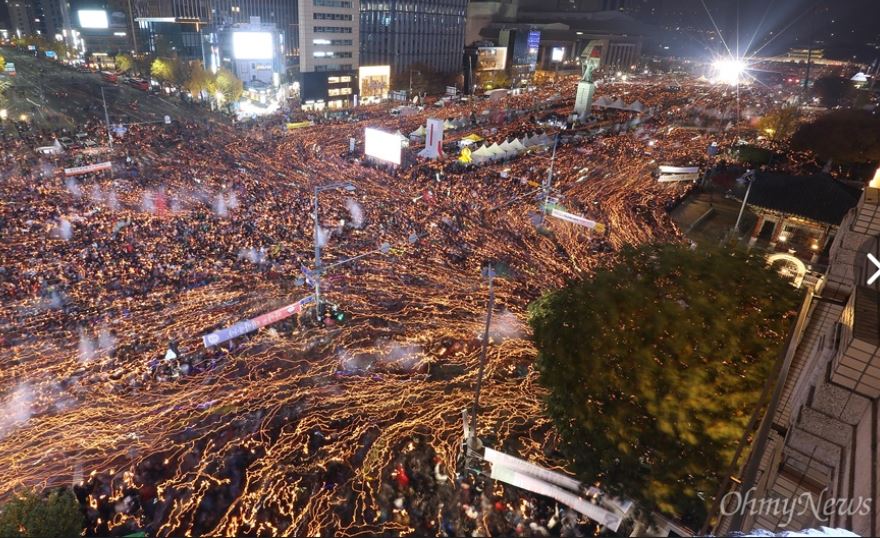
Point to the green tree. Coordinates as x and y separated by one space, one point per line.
781 123
162 69
228 85
832 90
199 79
847 136
2 62
124 63
654 365
30 514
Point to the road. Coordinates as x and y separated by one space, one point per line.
53 95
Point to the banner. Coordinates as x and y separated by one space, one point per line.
670 178
580 221
298 125
88 169
530 483
244 327
95 150
529 468
679 169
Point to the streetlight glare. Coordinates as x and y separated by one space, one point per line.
729 70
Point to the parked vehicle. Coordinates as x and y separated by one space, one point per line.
140 84
110 77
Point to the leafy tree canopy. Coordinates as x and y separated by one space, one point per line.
199 79
831 90
654 366
163 69
781 123
43 516
124 63
847 136
229 85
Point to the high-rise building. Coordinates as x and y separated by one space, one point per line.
329 53
21 17
329 34
195 15
401 33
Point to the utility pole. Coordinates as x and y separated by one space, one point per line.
107 119
742 208
810 51
548 182
473 442
133 29
317 275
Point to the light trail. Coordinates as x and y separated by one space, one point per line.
295 429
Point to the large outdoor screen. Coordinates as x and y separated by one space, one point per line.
93 18
375 81
381 145
252 46
491 58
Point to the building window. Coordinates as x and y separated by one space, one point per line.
332 29
332 3
331 16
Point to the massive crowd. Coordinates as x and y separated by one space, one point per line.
109 281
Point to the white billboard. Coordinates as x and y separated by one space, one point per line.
93 18
558 54
252 46
382 146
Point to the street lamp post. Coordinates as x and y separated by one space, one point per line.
107 119
548 182
473 441
318 268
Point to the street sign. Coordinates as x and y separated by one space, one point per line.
167 120
243 327
580 221
88 169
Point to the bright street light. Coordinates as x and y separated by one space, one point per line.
729 70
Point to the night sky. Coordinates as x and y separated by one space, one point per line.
842 28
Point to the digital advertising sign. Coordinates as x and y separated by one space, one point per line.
252 46
382 146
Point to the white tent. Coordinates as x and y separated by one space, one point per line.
497 152
421 132
481 155
637 106
859 77
517 146
448 126
618 103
